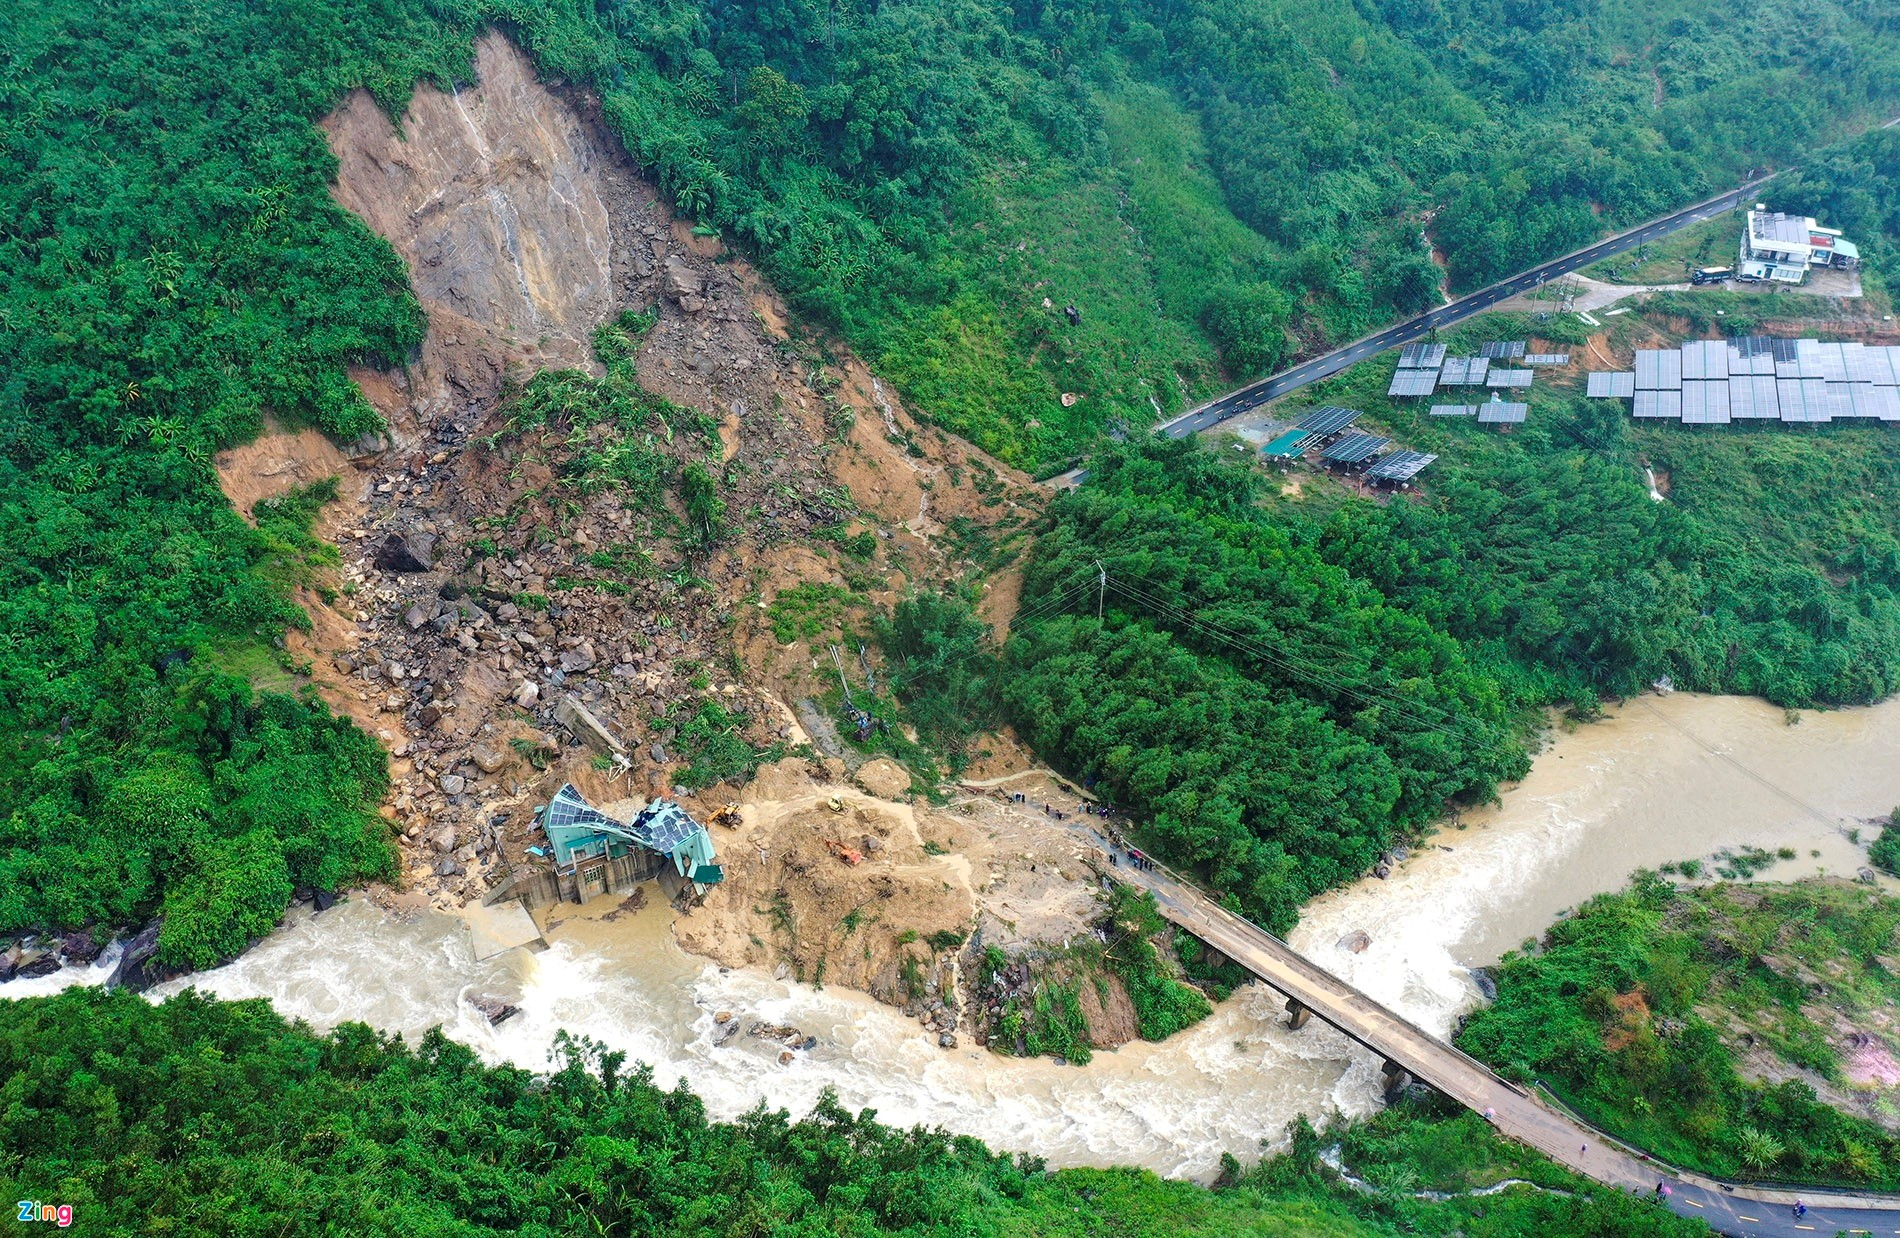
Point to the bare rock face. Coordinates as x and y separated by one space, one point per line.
495 197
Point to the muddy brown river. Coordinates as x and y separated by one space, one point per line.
1664 778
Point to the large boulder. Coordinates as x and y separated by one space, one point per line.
496 1007
683 284
884 778
136 971
79 947
406 552
37 963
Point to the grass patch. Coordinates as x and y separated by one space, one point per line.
1656 1011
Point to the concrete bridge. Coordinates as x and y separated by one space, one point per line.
1407 1049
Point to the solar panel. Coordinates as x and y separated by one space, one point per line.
1705 403
1752 397
1502 349
1788 395
1463 371
1808 354
1865 403
1502 413
1692 368
1750 354
1658 404
1648 370
1400 466
1453 410
1715 358
1413 382
1886 365
664 828
1508 378
1840 401
1886 402
1547 358
1422 356
1864 364
1767 396
1355 448
1814 395
567 808
1833 363
1328 419
1669 370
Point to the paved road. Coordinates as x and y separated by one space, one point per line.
1744 1211
1255 394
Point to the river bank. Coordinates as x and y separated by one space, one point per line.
1640 788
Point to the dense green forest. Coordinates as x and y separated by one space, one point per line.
1214 186
1283 685
1639 1009
171 270
202 1117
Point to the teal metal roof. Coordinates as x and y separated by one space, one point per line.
1288 445
575 827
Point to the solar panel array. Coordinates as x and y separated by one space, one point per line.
1500 413
660 826
1500 350
1421 356
1453 410
1761 378
1355 448
1413 382
1463 371
1608 385
1508 378
1328 419
1399 467
568 808
1547 358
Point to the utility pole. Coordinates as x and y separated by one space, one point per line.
1101 588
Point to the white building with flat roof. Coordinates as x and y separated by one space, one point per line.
1782 247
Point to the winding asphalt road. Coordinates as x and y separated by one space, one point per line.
1255 394
1741 1210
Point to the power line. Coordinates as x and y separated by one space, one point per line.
1289 664
1713 751
1300 668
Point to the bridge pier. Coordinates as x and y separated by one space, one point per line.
1296 1014
1397 1078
